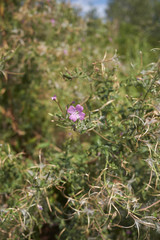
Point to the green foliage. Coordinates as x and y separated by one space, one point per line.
140 16
123 114
131 12
96 178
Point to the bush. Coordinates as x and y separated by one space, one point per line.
90 168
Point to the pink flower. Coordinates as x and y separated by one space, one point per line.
53 22
54 98
65 51
40 207
76 113
110 39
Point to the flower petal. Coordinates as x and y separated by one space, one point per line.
54 98
81 115
71 109
74 117
79 108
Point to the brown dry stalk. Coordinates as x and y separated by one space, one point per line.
153 204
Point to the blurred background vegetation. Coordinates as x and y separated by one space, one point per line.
48 48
